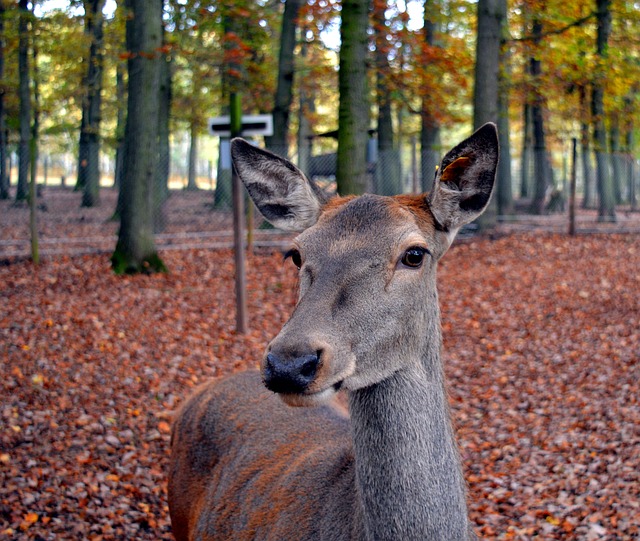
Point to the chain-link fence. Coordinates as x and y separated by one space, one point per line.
196 210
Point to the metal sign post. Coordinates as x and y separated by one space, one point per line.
235 125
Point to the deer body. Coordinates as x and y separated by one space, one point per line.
246 465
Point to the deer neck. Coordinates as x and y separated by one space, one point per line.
409 479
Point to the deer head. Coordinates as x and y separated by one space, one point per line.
367 304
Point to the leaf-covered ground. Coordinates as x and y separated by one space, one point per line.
542 350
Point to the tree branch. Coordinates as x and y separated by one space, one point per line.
555 31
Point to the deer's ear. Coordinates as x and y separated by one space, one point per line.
464 181
284 196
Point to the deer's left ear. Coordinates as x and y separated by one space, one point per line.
465 179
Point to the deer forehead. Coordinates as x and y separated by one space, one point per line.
356 224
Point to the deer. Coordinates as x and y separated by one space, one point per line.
271 454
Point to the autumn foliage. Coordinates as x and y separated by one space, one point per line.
541 350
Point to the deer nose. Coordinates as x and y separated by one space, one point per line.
290 375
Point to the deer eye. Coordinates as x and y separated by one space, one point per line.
414 257
295 257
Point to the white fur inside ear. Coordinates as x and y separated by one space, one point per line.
304 204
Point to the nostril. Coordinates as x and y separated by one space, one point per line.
309 366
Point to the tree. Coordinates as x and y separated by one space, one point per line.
588 200
353 112
161 188
33 157
284 90
306 107
537 105
25 101
487 73
607 202
135 251
504 190
89 146
388 173
4 180
121 94
430 126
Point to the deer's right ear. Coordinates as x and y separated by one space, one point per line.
465 180
284 196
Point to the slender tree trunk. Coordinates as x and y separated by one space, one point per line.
607 202
4 184
135 250
284 90
161 191
588 201
306 107
33 157
527 150
193 156
539 144
353 113
629 146
25 101
89 162
388 177
616 157
504 194
120 123
429 125
487 73
223 196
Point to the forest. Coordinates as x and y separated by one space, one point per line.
107 162
86 84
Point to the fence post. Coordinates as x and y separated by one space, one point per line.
414 166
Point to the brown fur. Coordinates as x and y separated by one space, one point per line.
245 466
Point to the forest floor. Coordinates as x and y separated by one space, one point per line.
542 353
190 220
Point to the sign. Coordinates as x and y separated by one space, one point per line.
251 125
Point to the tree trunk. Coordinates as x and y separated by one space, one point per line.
353 113
607 201
629 144
504 194
120 123
284 90
487 72
388 177
429 126
193 156
539 144
135 251
223 196
306 107
4 184
161 191
588 201
25 101
617 165
89 152
33 158
527 150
